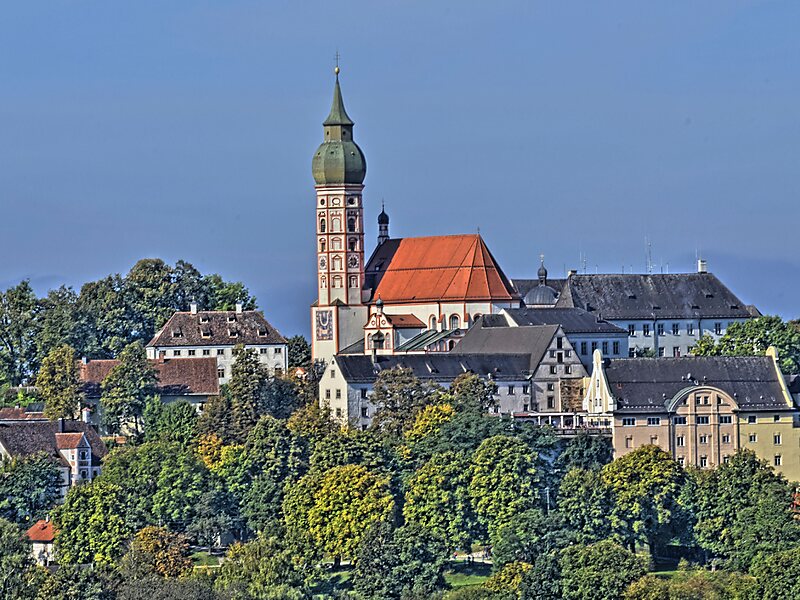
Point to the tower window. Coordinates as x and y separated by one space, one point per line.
322 245
351 224
337 281
353 281
322 225
353 244
336 224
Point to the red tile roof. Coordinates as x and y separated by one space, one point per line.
42 531
176 376
405 322
20 414
68 441
443 268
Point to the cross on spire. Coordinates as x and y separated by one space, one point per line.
336 58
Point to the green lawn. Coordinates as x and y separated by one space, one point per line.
204 559
462 574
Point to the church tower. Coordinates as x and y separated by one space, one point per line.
339 168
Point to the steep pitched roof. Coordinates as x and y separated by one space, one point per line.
217 328
646 384
42 532
68 441
533 341
405 322
440 367
446 268
176 376
638 296
572 320
23 438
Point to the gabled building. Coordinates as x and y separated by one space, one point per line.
215 333
73 445
42 535
666 314
556 372
534 369
699 409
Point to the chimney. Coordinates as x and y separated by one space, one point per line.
193 307
239 307
702 266
86 414
571 272
85 360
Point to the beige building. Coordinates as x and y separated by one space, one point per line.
699 409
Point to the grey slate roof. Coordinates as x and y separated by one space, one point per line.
214 328
572 320
441 367
532 341
638 296
523 286
648 384
23 438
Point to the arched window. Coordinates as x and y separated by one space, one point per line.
353 281
336 224
337 281
322 245
322 225
351 224
432 322
336 244
454 322
337 263
323 281
476 316
451 344
353 244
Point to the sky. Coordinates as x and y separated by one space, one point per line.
580 130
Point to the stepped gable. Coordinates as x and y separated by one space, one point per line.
645 384
439 268
661 296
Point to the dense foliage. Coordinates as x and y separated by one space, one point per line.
310 510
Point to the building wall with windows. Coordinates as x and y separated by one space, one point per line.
701 409
670 337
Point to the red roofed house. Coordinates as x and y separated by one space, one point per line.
413 294
42 534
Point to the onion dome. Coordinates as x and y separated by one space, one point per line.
542 294
338 160
383 218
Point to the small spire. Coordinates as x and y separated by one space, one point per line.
338 115
542 271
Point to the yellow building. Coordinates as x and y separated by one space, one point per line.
699 409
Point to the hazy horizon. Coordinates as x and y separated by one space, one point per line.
186 131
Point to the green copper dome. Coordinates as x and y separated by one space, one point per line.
338 159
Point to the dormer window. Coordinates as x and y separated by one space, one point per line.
263 331
204 318
231 318
233 333
206 333
177 333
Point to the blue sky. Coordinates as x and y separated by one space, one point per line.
185 130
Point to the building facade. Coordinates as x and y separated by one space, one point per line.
663 314
699 409
215 333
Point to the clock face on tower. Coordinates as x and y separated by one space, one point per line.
322 263
352 262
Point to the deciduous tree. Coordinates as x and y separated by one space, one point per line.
59 385
598 571
128 387
29 487
503 480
